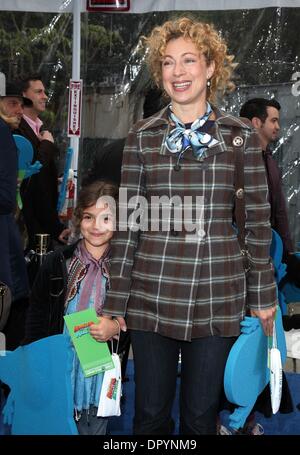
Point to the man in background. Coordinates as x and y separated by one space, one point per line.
12 264
265 118
264 115
39 193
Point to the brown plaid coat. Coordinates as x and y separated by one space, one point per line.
163 282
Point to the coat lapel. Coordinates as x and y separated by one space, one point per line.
161 123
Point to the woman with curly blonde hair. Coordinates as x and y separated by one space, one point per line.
207 42
178 277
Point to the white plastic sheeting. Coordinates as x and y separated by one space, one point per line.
264 41
145 6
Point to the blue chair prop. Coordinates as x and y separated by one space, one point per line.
247 372
25 156
39 376
25 167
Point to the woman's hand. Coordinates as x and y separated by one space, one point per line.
122 323
105 329
266 318
123 326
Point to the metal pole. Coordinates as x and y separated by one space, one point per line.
74 141
2 84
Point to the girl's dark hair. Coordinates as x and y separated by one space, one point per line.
89 196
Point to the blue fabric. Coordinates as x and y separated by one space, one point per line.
181 138
86 391
40 401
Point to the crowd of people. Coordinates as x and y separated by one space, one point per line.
181 289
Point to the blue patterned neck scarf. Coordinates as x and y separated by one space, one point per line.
182 138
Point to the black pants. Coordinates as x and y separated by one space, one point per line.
14 329
202 370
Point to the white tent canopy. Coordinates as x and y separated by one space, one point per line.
144 6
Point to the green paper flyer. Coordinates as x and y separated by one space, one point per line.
94 356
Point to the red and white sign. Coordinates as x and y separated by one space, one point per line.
75 103
108 5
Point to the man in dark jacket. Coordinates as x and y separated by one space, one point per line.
12 265
39 192
264 116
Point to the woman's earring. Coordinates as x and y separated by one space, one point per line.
208 83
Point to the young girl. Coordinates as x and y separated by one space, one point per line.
73 279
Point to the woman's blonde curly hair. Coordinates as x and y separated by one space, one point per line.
207 41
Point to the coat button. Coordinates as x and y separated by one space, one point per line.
238 141
239 193
204 166
201 233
